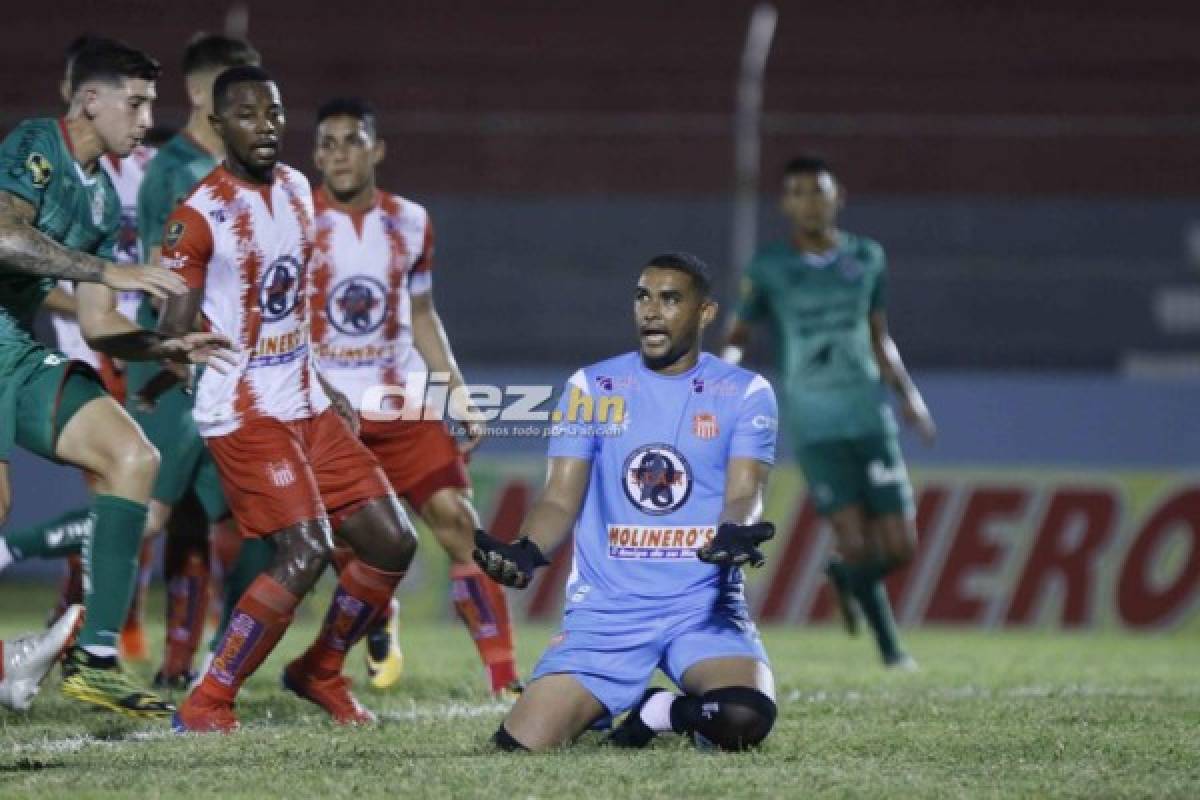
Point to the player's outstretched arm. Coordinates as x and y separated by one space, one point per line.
741 530
23 248
549 521
895 375
431 341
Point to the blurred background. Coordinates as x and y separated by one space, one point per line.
1033 174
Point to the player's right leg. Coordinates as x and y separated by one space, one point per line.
552 711
88 429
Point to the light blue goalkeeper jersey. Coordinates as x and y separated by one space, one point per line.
659 447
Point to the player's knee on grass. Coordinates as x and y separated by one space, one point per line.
453 520
731 718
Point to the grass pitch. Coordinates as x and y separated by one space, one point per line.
1024 714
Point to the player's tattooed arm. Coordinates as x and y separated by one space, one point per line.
895 375
549 521
431 341
23 248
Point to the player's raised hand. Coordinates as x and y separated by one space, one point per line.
737 545
508 564
212 349
156 281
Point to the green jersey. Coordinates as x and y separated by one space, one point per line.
819 307
170 176
74 208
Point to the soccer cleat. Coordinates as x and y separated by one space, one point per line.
332 694
633 732
901 662
201 714
385 660
847 607
101 682
28 659
132 644
512 691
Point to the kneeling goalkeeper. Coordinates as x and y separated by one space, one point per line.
658 463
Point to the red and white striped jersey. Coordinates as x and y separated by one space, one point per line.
249 247
126 175
365 269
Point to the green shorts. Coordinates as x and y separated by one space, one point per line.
43 391
867 471
185 461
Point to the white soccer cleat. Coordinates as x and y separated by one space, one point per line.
28 659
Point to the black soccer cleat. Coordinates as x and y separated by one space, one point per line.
632 732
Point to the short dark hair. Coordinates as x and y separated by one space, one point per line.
807 164
211 50
94 58
688 263
355 107
244 74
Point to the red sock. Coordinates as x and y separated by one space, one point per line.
70 591
363 593
483 608
187 601
145 568
257 625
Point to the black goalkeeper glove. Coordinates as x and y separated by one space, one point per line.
735 545
508 564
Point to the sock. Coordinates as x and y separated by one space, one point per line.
145 569
363 593
6 556
253 559
110 568
70 590
187 599
483 608
866 584
656 713
60 537
256 626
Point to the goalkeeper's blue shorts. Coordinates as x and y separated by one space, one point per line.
614 652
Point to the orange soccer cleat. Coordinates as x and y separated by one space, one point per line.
203 714
332 694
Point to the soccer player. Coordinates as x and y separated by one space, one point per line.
187 469
59 218
291 467
823 292
26 660
374 323
664 494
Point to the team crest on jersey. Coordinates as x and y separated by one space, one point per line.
40 169
174 233
357 305
704 425
280 288
657 479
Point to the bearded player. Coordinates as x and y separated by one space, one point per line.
291 467
374 323
823 292
665 502
59 218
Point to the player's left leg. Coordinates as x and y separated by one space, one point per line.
59 537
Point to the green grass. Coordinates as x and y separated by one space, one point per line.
1026 714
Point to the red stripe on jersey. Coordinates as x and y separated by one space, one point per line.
397 280
302 299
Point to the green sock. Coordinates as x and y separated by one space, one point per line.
866 584
253 559
58 538
110 557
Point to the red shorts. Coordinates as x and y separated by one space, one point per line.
419 457
276 474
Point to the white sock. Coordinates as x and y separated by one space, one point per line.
101 650
656 714
6 556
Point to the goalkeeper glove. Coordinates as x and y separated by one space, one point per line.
735 545
508 564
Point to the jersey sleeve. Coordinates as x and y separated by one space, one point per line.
420 280
187 245
572 432
154 204
879 290
26 168
757 425
752 302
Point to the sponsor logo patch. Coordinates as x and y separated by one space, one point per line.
357 305
658 543
280 288
40 170
657 479
175 232
704 425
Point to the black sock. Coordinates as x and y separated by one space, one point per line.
505 741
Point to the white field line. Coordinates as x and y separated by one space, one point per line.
986 693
